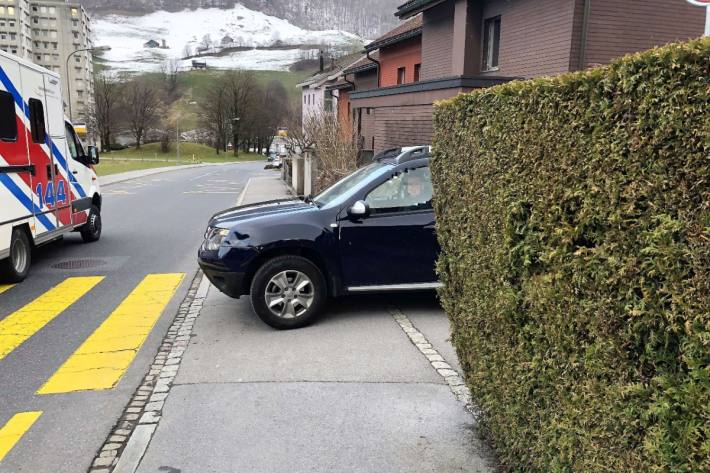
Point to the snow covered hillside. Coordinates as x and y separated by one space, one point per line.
222 38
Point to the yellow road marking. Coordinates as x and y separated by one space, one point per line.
16 328
5 288
15 429
100 362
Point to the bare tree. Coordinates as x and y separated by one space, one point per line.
170 70
334 146
143 104
242 93
187 51
107 92
215 113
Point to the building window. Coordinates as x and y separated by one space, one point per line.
417 72
401 75
328 104
8 121
491 43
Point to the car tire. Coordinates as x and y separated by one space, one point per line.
91 231
288 292
17 266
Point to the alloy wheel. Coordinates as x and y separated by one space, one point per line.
289 294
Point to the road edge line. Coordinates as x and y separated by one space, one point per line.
130 437
240 199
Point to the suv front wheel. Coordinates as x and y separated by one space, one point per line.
288 292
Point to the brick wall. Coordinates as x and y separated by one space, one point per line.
405 54
437 40
536 36
402 126
618 27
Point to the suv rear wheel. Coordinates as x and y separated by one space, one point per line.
288 292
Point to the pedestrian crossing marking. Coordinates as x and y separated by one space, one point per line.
100 362
18 327
6 287
15 428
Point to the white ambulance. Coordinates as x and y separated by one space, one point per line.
48 186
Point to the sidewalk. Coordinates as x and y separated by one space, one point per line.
352 393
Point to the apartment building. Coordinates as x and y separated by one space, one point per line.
46 32
447 47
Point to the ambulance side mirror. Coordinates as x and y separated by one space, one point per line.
93 155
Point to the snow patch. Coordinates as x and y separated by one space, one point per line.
247 28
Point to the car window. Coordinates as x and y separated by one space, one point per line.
349 184
406 191
75 148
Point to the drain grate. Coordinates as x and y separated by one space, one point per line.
80 264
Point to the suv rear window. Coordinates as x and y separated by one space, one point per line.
8 120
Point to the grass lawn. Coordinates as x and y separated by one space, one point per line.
149 156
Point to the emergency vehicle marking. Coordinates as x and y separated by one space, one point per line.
63 164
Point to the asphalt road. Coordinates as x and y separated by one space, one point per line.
152 225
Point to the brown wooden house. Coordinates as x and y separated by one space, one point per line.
446 47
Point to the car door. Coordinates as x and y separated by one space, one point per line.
395 244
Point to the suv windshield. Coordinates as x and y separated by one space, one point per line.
347 185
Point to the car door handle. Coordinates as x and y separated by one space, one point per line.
75 172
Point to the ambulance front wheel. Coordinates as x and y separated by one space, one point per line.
17 265
91 231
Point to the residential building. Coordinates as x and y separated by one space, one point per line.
15 29
47 32
447 47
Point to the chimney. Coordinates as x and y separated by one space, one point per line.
165 45
321 59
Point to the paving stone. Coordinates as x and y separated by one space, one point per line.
111 446
158 397
104 461
154 406
435 358
441 365
446 373
117 438
150 418
132 416
134 410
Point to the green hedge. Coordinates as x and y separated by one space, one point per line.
574 217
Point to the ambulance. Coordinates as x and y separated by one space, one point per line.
48 186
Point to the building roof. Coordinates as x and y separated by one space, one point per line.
406 30
414 7
363 64
330 74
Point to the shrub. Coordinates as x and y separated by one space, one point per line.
574 218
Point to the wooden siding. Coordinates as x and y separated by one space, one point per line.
437 41
618 27
403 126
536 36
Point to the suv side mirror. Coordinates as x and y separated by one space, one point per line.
93 155
360 209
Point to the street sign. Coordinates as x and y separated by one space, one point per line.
706 4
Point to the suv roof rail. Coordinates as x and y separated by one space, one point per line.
404 154
413 153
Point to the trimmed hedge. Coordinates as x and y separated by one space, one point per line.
574 218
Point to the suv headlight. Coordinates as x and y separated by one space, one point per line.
214 238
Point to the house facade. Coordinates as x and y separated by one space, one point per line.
447 47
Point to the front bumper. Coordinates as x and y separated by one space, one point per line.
229 282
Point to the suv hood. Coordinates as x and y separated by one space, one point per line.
229 217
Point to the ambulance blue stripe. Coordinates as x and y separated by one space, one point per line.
24 200
26 108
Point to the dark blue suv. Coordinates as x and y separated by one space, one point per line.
372 231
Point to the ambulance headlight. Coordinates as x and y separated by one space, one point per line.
214 238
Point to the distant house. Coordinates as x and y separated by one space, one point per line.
227 41
151 44
199 65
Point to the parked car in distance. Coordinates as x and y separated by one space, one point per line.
371 232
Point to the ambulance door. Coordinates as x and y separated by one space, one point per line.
55 142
